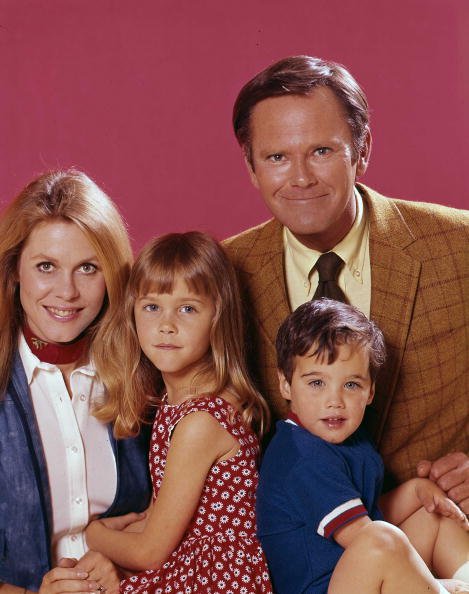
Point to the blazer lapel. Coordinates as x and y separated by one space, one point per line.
394 282
267 284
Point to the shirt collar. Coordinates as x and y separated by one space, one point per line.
351 248
31 362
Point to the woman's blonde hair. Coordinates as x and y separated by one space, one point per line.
133 383
64 196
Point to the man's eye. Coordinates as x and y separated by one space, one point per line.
323 150
276 157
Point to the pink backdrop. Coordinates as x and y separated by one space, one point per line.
138 93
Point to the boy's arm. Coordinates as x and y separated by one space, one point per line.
344 536
399 504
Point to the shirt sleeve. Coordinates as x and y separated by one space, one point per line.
321 488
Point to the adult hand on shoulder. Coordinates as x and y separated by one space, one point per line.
66 577
451 473
100 570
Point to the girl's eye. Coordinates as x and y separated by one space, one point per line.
150 307
352 385
45 266
88 268
187 309
317 383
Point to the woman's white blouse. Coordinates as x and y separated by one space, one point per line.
77 448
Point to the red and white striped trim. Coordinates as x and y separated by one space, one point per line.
341 515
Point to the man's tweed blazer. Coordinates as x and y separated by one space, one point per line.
419 281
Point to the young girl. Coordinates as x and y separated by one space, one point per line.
179 344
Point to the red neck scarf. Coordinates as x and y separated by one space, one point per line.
56 354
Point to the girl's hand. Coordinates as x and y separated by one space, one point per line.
101 572
118 523
122 522
66 577
434 500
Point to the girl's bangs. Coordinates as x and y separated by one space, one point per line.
160 278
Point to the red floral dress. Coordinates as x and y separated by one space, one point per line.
219 552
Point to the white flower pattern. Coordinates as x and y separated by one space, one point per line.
219 552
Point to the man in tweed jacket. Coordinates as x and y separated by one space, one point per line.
303 126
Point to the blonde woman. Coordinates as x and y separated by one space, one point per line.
64 261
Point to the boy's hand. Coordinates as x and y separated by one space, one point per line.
451 473
434 500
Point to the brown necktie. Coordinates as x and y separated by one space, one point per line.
328 267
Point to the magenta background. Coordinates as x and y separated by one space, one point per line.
138 93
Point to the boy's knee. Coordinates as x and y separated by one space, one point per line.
382 539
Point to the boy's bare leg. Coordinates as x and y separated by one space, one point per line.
381 560
440 541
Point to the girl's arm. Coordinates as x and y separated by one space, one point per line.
399 504
197 442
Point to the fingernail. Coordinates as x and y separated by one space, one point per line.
82 574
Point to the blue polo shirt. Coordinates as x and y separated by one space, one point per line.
309 488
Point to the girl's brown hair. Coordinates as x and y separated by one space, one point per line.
63 196
133 383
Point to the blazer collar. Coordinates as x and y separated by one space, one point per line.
264 263
394 282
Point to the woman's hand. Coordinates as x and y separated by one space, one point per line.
101 572
67 577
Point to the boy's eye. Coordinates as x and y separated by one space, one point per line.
45 266
317 383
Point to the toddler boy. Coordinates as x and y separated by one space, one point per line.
321 476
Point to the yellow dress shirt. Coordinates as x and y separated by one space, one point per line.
355 276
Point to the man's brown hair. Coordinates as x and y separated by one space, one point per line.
300 75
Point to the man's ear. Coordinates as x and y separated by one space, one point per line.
250 168
372 394
364 156
284 385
